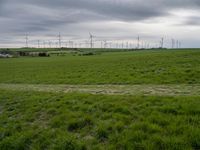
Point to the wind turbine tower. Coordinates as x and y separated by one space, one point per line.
172 43
26 40
59 40
177 44
38 43
162 42
138 44
49 44
91 40
180 44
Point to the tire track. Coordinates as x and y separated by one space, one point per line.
161 90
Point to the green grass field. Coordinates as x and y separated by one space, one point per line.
118 100
145 67
37 120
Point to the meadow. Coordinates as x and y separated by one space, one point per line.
147 99
38 120
139 67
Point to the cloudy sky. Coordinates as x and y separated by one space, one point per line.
111 20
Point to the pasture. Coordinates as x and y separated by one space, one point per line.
139 67
146 99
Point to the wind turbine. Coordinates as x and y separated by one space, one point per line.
49 44
173 43
91 40
105 44
26 40
138 42
38 43
59 40
101 44
179 44
162 42
44 44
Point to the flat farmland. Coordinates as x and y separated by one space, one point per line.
115 100
144 67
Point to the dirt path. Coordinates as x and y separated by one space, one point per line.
162 90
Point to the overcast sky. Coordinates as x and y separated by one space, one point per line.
111 20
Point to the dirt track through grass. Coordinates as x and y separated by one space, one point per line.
161 90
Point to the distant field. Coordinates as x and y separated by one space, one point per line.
38 120
140 67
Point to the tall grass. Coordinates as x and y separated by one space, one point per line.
35 120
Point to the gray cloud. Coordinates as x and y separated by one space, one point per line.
51 12
22 16
192 21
